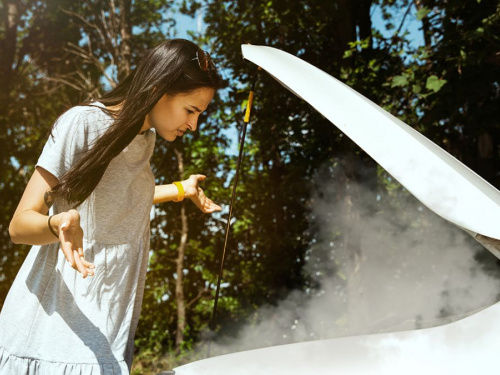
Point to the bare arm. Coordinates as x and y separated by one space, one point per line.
166 193
30 226
29 223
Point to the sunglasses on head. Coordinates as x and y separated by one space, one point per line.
204 61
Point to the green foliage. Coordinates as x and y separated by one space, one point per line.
447 89
462 70
422 13
434 83
31 40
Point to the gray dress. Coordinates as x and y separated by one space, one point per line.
54 321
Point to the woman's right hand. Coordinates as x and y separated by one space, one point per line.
71 239
29 224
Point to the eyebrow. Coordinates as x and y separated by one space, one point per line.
196 108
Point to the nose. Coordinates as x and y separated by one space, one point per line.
193 123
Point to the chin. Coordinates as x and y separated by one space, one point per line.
169 137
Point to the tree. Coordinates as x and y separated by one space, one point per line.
464 58
31 38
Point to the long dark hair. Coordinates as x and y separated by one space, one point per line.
170 68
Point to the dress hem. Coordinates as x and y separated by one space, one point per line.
11 364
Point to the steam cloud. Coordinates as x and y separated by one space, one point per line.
400 268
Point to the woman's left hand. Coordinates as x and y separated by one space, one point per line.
196 194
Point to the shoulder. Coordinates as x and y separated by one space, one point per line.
82 114
89 120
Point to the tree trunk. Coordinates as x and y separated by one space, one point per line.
351 22
361 10
9 23
344 29
125 35
179 282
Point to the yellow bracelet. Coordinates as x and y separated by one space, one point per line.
180 196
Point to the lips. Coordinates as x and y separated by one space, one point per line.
180 133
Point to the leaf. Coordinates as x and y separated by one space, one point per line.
347 54
401 80
434 83
422 13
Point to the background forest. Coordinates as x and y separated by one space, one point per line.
324 242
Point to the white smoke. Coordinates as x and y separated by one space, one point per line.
408 269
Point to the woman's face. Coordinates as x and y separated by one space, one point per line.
173 115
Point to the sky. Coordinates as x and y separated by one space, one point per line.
412 25
187 23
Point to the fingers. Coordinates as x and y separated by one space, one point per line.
90 267
199 177
76 260
209 206
67 249
71 239
213 208
80 267
205 204
84 267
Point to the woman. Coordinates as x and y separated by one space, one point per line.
75 303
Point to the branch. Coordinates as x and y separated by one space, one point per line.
89 58
404 17
81 83
112 20
63 80
109 35
88 55
200 294
80 17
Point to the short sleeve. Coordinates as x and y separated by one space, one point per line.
72 135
